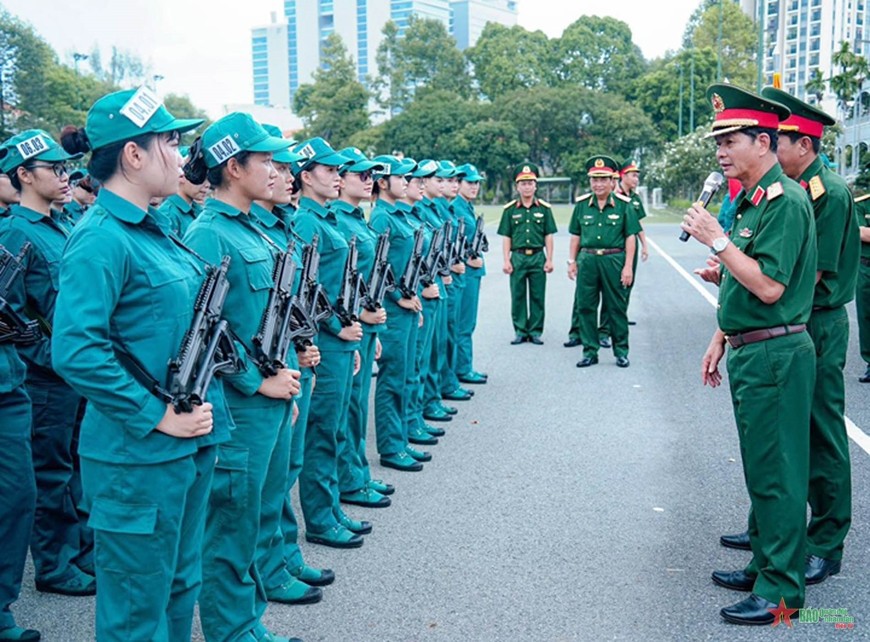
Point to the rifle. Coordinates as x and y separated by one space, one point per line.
479 242
382 279
460 244
275 322
14 328
313 304
353 288
414 270
437 259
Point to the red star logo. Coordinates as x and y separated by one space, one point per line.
782 614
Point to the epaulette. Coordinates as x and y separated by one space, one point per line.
862 198
511 204
622 197
583 198
817 188
774 190
544 203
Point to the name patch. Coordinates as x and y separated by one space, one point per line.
225 148
32 147
141 107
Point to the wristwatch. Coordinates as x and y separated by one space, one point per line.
720 244
571 261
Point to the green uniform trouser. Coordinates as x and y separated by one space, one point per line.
391 392
85 558
604 322
598 280
438 352
233 593
862 301
423 362
327 425
449 380
270 563
771 390
55 542
528 293
412 381
148 523
467 323
353 466
17 496
830 486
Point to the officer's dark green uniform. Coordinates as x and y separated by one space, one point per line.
606 238
862 298
467 319
771 380
233 595
55 542
527 229
391 391
17 485
839 248
127 288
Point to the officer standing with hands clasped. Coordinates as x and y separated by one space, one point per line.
528 226
766 278
862 298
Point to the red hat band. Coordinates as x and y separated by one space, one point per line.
802 126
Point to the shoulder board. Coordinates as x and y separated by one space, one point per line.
511 204
862 198
622 197
774 190
817 188
544 203
583 198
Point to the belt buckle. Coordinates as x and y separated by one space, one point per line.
528 252
599 252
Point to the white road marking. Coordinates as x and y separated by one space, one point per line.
857 435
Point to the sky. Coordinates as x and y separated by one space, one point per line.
202 47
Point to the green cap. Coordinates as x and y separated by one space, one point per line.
425 169
126 114
469 173
31 145
446 169
526 172
737 109
628 166
601 165
393 166
316 150
235 133
283 156
78 175
805 119
357 162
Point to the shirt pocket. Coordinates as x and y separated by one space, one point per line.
170 293
53 268
259 265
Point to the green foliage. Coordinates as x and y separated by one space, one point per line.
683 164
739 41
335 105
507 59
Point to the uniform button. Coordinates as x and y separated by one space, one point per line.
739 216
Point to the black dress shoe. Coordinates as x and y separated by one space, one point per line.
622 362
604 342
518 340
739 541
585 362
866 377
536 340
753 610
572 343
818 569
734 580
632 323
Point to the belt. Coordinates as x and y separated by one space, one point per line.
824 308
528 251
754 336
865 261
613 250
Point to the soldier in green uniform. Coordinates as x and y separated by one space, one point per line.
527 226
235 155
182 208
37 169
766 278
862 300
83 194
600 257
127 292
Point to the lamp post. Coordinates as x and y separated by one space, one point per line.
719 45
680 118
156 78
78 57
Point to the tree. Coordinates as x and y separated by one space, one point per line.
506 59
683 165
8 97
598 53
182 107
853 69
335 105
390 85
816 86
738 43
494 146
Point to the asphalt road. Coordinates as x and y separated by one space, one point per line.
563 504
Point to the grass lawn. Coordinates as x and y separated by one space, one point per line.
562 212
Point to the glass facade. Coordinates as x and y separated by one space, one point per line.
260 61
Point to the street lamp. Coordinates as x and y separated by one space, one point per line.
156 78
78 57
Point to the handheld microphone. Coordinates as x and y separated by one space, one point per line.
711 186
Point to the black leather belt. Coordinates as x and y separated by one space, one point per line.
528 251
602 252
865 261
754 336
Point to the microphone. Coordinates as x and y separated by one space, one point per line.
711 186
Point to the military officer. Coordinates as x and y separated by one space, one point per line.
528 226
766 278
862 208
600 257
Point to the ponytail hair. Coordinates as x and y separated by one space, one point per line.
195 170
105 161
75 140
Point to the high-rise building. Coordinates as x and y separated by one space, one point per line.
270 64
360 24
469 17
